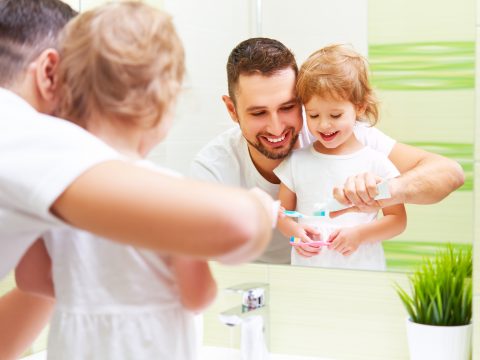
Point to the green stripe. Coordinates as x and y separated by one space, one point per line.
405 255
460 152
423 66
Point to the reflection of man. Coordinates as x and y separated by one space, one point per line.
261 84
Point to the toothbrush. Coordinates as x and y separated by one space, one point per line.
296 214
321 209
293 214
295 241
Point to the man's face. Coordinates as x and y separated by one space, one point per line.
268 112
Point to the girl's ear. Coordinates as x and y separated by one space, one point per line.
360 110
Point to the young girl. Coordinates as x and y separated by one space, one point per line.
333 86
118 80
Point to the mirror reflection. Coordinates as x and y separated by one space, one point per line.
422 71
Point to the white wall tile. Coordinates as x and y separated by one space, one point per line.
307 25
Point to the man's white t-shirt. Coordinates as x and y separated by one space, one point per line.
226 160
40 157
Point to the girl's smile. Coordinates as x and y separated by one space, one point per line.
331 121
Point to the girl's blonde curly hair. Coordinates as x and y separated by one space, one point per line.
121 60
337 71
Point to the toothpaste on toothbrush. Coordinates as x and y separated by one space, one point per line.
324 208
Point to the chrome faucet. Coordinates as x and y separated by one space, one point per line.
253 317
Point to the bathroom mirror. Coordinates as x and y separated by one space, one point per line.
422 69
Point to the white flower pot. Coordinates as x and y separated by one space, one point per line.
428 342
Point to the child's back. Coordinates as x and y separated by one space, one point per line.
116 301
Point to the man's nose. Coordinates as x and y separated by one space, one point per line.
275 125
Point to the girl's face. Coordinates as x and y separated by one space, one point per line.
331 122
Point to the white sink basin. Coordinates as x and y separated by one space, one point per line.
211 353
219 353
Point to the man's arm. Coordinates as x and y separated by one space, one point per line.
23 317
136 206
426 178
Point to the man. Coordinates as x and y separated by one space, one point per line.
261 76
54 174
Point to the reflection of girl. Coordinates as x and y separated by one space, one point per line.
333 85
116 301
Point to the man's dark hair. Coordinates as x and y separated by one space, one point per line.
257 55
28 27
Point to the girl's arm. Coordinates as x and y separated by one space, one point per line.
33 273
195 282
135 206
288 200
290 227
393 222
22 317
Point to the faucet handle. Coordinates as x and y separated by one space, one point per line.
253 294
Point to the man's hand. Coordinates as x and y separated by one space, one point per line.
359 194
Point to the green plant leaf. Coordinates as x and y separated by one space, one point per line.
441 289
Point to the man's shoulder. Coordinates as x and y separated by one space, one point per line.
300 154
224 146
221 160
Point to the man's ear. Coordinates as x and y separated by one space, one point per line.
46 74
230 107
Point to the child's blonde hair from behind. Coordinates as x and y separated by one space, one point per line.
339 72
123 61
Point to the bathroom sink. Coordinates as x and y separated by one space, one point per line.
211 353
220 353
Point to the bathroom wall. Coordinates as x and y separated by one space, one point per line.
476 260
335 314
423 71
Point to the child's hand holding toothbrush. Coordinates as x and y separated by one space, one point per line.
345 240
307 233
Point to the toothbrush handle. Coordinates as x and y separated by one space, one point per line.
333 205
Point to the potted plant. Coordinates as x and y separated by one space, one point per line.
440 306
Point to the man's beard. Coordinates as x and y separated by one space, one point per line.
274 155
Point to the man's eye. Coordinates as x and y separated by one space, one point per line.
336 116
259 113
287 108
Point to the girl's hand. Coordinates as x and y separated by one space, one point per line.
307 234
346 241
